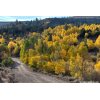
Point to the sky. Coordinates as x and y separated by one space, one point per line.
23 18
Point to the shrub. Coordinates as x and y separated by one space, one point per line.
97 42
49 67
11 45
34 60
7 62
16 51
4 52
60 67
76 66
90 44
2 40
97 66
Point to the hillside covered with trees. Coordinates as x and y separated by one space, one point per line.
67 48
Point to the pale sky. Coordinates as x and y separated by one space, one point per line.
23 18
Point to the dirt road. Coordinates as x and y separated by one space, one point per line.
25 75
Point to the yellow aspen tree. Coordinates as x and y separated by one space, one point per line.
97 42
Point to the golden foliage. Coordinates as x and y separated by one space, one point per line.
71 39
58 49
82 50
90 44
63 53
55 38
2 40
11 45
97 66
50 43
76 66
60 67
97 42
33 60
91 27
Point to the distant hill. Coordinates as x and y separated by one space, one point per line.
4 23
22 27
88 17
56 21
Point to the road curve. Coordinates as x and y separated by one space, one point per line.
24 75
